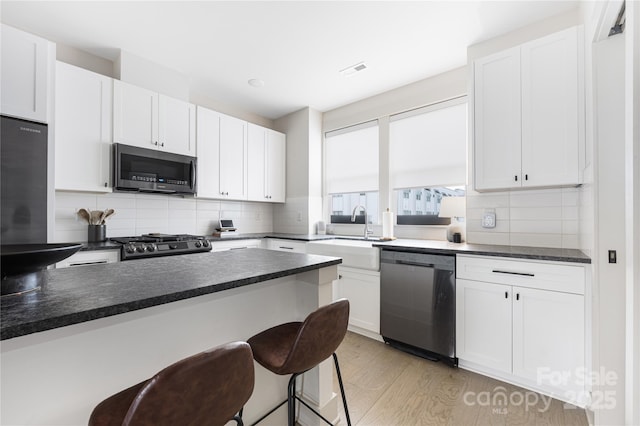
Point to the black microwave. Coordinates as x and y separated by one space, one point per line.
150 170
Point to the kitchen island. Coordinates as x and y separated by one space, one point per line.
94 330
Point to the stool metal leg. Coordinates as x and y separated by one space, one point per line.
292 397
344 397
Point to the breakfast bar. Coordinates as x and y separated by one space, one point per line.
92 331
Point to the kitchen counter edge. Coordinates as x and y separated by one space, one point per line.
66 301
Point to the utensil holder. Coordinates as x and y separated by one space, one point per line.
97 233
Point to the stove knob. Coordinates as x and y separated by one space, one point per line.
130 249
151 247
173 246
198 244
205 243
140 249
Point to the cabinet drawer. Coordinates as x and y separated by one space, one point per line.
546 276
234 245
286 245
84 258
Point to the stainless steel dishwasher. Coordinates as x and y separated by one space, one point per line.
417 303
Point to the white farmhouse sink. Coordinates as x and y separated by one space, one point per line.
354 253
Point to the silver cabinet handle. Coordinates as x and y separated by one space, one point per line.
286 248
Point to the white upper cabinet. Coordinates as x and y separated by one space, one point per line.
26 62
528 101
266 164
83 121
177 126
150 120
222 147
552 91
497 120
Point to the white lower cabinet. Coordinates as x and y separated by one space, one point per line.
94 257
235 245
483 324
285 245
362 288
530 333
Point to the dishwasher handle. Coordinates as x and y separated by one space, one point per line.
418 264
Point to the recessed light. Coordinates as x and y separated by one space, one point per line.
361 66
256 82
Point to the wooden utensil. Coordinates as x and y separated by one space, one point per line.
106 215
84 213
95 217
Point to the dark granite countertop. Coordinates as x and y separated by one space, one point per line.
445 247
107 245
75 295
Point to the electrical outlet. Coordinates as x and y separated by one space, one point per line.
489 219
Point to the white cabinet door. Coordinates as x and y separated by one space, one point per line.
266 164
497 120
135 115
483 324
276 166
233 158
362 288
177 126
256 172
208 141
83 129
550 105
548 338
25 74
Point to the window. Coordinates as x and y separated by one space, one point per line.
428 160
351 172
342 206
428 146
425 207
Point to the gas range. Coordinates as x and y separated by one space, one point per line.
152 245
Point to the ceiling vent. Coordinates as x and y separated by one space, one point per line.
361 66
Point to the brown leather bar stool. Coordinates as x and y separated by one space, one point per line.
296 347
209 388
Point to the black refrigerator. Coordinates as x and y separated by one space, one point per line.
23 175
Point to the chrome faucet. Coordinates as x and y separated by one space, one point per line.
367 230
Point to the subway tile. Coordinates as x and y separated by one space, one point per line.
570 241
152 203
548 198
536 213
498 238
537 226
570 212
570 227
493 200
570 198
536 240
75 200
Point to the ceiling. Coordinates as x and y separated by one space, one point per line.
296 47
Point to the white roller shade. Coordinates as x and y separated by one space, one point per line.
351 159
428 146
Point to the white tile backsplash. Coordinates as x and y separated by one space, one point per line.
137 214
539 218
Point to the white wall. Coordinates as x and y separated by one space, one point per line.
138 214
609 286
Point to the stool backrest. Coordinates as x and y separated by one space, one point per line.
205 389
319 336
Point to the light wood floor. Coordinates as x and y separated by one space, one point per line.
385 387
